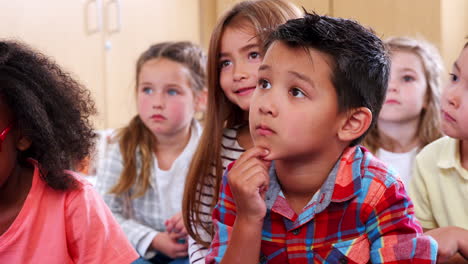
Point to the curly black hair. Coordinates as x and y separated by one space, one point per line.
50 108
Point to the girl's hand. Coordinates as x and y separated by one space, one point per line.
451 240
170 247
175 226
249 181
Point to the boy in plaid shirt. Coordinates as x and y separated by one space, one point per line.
307 193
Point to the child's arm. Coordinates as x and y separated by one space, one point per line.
394 233
453 244
238 216
419 193
108 174
92 234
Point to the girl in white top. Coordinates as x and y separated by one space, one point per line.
235 53
409 118
144 171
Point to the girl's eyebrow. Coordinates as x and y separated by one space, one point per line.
249 46
243 49
455 65
408 69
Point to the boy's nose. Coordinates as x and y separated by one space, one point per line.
267 108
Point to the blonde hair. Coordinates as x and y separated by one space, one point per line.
263 16
428 129
136 139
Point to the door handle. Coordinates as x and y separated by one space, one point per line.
118 24
87 11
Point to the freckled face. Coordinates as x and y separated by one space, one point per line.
165 101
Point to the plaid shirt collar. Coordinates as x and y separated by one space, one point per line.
342 184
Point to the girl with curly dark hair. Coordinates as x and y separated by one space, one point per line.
48 214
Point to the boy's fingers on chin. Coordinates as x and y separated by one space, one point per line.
250 153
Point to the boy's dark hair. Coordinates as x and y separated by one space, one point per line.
361 65
50 108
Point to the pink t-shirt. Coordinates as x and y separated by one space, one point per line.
64 227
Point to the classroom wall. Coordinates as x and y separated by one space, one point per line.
104 60
442 22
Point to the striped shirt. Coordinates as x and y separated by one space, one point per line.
230 151
360 214
143 217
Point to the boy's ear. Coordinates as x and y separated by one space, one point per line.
356 123
23 143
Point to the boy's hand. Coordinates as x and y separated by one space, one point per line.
451 240
249 180
175 225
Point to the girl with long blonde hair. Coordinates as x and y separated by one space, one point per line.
142 177
409 119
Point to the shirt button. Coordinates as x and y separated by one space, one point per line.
296 231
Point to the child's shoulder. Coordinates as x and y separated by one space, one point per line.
434 149
80 179
375 170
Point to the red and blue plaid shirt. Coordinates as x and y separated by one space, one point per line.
361 214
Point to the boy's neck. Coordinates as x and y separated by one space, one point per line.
399 137
464 153
301 179
168 148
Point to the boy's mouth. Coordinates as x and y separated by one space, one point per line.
264 130
392 101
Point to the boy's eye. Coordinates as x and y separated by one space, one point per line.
408 78
264 84
172 92
147 90
224 63
453 77
254 55
296 92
